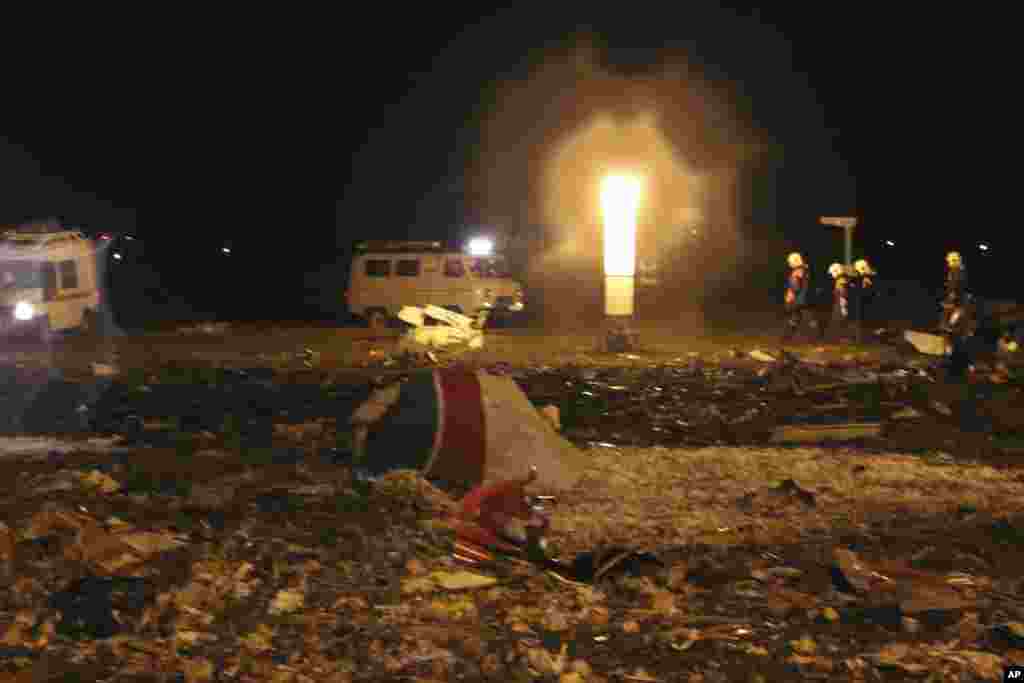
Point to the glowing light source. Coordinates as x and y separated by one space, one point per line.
24 310
480 246
890 243
620 201
226 250
117 255
983 247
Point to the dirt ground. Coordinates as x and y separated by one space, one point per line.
254 554
353 347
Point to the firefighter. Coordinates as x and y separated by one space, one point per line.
798 286
840 298
864 288
956 291
958 315
865 272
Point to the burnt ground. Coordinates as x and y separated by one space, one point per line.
247 469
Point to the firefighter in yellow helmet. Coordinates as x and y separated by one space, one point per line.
797 297
958 315
863 288
956 291
864 269
840 298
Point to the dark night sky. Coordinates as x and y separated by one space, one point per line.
232 135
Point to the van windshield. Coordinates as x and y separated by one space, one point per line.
488 266
20 275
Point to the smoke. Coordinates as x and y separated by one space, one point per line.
547 139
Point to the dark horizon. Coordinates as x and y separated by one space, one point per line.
859 113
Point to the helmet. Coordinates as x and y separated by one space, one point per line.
862 267
953 258
835 270
795 260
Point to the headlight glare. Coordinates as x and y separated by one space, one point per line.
24 311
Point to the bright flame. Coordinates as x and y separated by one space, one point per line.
480 246
620 200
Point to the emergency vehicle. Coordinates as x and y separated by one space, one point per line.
48 280
388 275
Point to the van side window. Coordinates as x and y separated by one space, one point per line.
378 268
408 267
68 275
454 267
488 267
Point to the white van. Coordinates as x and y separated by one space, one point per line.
48 281
386 276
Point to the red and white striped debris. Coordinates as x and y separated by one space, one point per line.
462 426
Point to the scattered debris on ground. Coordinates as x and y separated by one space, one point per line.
203 523
678 562
457 331
206 328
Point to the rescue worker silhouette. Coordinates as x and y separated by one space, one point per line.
840 299
864 289
958 315
956 297
798 285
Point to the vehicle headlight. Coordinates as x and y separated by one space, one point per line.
23 310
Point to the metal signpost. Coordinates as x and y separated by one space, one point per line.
847 223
